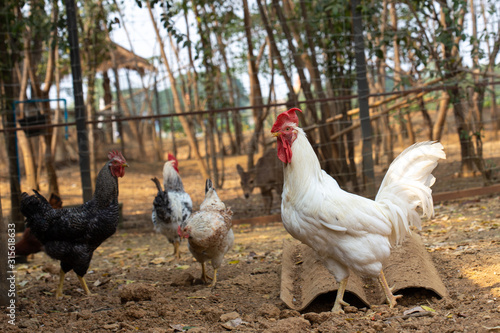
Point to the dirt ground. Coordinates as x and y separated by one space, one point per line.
138 287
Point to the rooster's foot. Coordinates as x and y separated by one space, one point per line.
337 307
392 300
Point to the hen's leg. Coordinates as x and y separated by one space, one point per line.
214 281
204 275
59 291
84 285
391 299
339 300
177 252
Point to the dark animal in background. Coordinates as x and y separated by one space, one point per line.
266 175
71 235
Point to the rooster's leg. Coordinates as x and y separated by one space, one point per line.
214 280
339 300
84 285
59 291
391 299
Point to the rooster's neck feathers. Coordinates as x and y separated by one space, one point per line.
106 188
171 179
304 168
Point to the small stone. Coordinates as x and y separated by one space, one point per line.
183 280
379 326
293 324
269 311
136 292
232 324
114 326
84 314
289 313
157 330
229 316
136 313
350 309
31 324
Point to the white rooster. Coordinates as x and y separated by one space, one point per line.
350 232
209 232
172 206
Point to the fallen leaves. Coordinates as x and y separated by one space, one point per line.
182 267
158 261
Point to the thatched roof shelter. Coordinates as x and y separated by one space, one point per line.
125 59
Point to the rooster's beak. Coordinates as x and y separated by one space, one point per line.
276 134
125 164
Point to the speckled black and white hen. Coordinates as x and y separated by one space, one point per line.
209 232
71 235
171 206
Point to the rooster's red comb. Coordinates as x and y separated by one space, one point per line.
171 157
286 117
175 163
116 154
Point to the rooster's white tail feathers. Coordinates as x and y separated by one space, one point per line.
406 186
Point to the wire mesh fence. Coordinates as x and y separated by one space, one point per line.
163 133
233 71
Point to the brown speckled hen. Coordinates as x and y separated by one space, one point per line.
209 232
71 235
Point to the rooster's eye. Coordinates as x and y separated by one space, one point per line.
287 129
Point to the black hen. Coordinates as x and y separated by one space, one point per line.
72 234
29 244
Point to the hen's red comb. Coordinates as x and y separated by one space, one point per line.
286 117
115 154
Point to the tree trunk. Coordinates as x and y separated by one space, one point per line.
409 127
336 147
387 137
464 134
119 106
236 117
397 72
8 58
329 153
255 90
23 141
209 85
108 100
134 125
89 104
58 113
158 122
275 54
177 104
43 93
437 130
426 116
